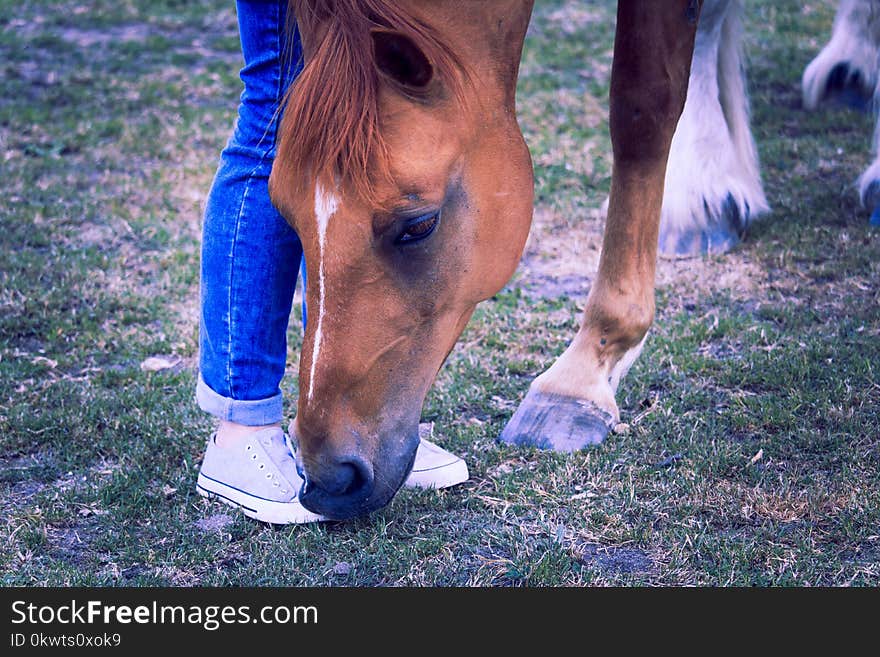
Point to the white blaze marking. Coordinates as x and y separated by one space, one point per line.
325 207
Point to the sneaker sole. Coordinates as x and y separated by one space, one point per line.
441 476
275 513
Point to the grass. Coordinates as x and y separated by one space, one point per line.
753 450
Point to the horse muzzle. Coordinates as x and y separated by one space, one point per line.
347 486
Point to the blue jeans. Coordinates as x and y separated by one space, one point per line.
250 255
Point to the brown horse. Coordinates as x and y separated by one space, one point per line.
403 169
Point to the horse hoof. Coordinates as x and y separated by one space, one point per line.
871 201
556 422
721 234
845 87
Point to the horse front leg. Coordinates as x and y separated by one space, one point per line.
572 405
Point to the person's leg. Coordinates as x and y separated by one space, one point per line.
250 259
250 255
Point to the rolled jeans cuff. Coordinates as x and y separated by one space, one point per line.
251 413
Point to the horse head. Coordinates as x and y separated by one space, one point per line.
402 168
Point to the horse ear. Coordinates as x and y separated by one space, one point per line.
398 57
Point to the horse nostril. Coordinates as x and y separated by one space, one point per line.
345 479
337 489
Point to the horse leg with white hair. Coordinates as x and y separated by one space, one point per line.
847 70
713 181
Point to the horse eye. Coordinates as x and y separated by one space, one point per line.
419 228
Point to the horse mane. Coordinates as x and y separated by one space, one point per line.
331 125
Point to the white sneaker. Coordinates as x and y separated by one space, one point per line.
258 475
434 467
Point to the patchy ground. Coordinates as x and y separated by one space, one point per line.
753 449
